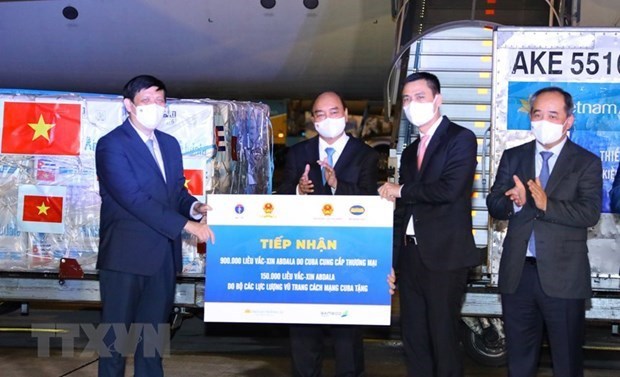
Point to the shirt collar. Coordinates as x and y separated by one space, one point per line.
555 150
431 131
142 135
338 144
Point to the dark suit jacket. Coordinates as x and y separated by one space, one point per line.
614 193
574 194
142 215
439 198
357 174
356 168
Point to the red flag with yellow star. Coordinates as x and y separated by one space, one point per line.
43 208
40 128
194 181
40 208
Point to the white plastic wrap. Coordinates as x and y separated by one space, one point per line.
229 140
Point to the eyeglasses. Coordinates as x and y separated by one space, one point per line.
320 115
148 100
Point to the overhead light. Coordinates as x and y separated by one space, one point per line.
311 4
268 4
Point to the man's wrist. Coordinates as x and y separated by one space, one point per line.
194 213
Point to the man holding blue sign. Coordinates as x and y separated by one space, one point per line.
330 164
433 242
550 191
144 208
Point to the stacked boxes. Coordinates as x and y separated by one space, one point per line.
226 149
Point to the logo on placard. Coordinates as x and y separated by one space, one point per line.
357 210
239 209
328 209
334 313
268 208
263 312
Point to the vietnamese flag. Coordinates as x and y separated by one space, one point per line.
43 208
40 208
195 176
194 181
39 128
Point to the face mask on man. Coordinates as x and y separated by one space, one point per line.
419 113
150 116
330 127
547 132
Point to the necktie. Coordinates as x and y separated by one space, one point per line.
422 149
330 160
544 171
150 145
544 178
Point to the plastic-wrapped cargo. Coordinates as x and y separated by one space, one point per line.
47 154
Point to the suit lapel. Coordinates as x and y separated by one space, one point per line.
562 166
434 142
139 147
312 155
415 173
528 164
345 158
165 156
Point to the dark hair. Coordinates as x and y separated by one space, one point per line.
568 99
142 82
431 80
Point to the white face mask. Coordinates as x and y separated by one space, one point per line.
330 127
150 116
420 113
547 132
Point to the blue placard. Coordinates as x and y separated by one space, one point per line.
304 264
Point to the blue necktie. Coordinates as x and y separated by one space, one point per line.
330 160
149 145
544 178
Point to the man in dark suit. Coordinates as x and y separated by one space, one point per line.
433 241
614 193
331 163
550 192
144 208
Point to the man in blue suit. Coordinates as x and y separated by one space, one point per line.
144 208
332 163
433 241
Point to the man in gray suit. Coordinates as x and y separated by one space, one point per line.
550 191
